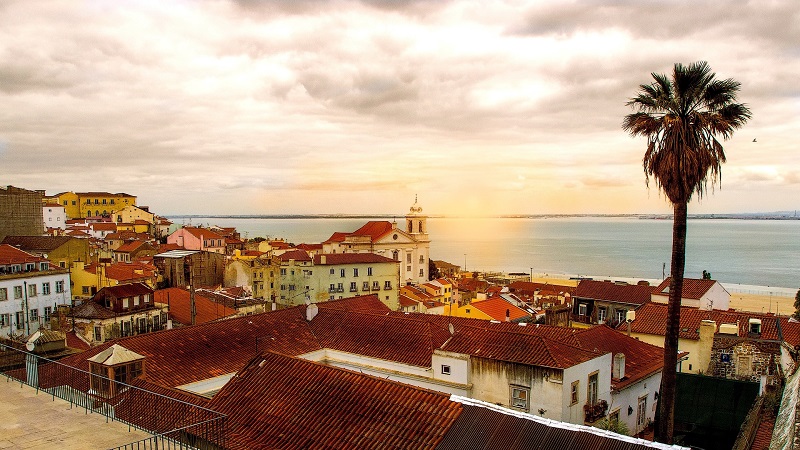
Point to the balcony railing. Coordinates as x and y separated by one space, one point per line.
174 423
595 412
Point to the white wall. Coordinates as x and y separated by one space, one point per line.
580 372
716 297
629 397
38 302
54 217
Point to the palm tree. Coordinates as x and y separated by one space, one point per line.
681 118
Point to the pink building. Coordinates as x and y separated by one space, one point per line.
194 238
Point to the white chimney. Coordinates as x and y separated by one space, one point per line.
618 366
322 259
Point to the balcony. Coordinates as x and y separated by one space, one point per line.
577 318
593 413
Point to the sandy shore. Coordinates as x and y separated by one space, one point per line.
741 302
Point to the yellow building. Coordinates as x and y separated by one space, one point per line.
88 279
89 204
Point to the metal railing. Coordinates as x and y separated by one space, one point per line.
173 422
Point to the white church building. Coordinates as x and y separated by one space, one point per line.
411 247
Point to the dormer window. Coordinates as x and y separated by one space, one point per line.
755 326
29 267
113 369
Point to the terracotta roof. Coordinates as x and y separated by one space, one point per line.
279 245
530 288
641 359
103 226
611 292
141 222
179 301
336 237
517 347
652 319
496 308
252 253
375 229
361 303
185 355
203 233
73 341
129 246
76 233
37 243
297 255
332 259
127 235
406 301
312 405
473 285
12 255
391 338
163 248
692 288
124 290
125 271
309 247
92 310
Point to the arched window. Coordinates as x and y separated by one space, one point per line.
395 255
420 227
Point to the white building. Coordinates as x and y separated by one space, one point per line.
700 294
30 291
54 216
337 275
410 247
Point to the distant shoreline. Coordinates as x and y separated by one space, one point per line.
742 216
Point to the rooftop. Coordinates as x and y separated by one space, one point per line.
612 292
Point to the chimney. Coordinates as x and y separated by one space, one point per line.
508 315
618 366
707 330
322 259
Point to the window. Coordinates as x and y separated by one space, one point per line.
445 369
112 201
332 288
591 392
620 315
601 314
421 259
5 320
376 285
339 287
341 273
333 271
45 288
291 287
98 334
365 286
33 315
353 287
369 271
421 272
142 325
519 397
387 285
574 392
20 319
641 413
582 309
48 311
31 290
355 271
408 258
95 201
283 272
62 264
614 416
126 303
283 287
744 366
29 267
408 268
59 287
136 299
3 294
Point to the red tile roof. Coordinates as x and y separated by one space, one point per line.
124 290
93 310
496 308
12 255
126 271
37 243
692 288
407 302
332 259
179 301
309 247
336 237
362 303
526 287
73 341
612 292
375 229
641 359
130 246
317 406
517 348
203 233
103 226
652 319
297 255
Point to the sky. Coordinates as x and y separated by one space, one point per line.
356 107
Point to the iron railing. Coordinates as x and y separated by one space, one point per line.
175 423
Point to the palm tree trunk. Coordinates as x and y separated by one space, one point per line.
666 399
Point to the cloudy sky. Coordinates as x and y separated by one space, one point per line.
262 107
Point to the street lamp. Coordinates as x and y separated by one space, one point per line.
465 262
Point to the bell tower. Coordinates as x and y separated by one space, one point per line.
417 222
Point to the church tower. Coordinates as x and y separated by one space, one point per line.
417 222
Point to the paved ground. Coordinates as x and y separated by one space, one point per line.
31 421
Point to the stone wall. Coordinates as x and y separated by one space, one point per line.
728 353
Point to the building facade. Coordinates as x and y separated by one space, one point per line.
31 290
21 211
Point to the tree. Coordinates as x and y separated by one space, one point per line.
681 117
797 305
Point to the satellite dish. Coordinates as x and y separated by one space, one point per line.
311 311
451 328
30 346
